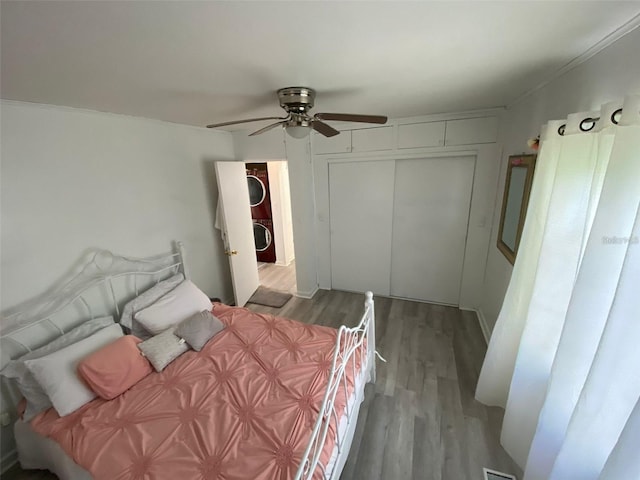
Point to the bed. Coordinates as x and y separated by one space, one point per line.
267 397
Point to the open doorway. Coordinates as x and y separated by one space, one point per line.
270 202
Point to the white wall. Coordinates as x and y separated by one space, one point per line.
303 214
281 211
607 76
75 179
261 148
72 180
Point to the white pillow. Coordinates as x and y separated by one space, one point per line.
144 300
56 372
37 399
174 307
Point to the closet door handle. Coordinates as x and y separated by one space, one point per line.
231 252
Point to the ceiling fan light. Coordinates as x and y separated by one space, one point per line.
298 132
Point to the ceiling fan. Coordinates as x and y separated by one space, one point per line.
297 101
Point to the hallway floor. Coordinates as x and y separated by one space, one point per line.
278 277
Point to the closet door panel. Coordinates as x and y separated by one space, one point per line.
430 219
361 210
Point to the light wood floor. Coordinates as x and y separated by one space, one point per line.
419 420
278 277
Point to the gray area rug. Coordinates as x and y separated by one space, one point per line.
270 298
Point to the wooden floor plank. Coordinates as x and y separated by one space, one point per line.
371 452
452 430
397 461
416 346
468 360
391 347
479 453
405 357
427 450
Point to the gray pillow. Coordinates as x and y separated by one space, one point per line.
163 349
144 300
37 399
199 328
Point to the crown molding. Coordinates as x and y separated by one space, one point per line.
610 39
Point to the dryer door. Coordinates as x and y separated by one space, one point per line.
262 237
257 190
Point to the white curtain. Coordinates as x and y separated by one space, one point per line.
564 356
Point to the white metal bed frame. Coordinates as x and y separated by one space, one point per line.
100 272
104 267
348 345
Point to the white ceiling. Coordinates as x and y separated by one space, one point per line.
202 62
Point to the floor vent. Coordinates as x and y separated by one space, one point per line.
495 475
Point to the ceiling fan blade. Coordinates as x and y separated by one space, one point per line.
323 128
235 122
267 128
351 117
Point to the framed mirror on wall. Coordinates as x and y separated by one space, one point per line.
514 203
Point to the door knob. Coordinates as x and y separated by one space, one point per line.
231 252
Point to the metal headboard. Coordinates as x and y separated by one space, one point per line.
99 272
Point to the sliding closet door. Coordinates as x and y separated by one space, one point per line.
430 218
361 204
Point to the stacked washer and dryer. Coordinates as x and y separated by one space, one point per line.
260 201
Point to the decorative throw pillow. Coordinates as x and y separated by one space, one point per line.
163 349
143 301
115 368
199 328
57 372
174 307
37 399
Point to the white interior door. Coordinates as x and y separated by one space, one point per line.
237 229
361 211
430 218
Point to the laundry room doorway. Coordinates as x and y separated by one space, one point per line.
270 203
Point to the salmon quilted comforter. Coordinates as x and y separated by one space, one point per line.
242 408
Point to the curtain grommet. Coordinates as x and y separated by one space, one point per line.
615 116
587 124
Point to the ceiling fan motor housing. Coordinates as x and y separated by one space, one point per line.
296 99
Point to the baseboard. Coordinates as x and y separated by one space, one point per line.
486 331
8 460
284 264
307 295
